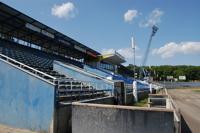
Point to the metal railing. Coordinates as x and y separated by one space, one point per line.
88 73
26 67
72 83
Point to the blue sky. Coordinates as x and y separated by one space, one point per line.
107 25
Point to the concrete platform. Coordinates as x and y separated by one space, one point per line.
7 129
189 103
101 118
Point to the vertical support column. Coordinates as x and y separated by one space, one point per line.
54 128
150 87
81 86
119 92
135 91
168 103
125 95
71 85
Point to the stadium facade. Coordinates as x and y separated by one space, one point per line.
42 71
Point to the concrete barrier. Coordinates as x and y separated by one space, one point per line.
164 100
129 99
25 100
62 118
158 100
104 100
97 118
63 113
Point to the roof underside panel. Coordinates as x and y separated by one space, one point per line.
18 25
113 59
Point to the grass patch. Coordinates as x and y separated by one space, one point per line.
142 103
198 91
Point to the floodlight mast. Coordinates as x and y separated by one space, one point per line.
154 30
133 47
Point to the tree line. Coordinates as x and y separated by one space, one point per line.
160 73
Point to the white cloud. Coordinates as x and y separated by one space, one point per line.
126 52
130 15
172 48
153 18
66 10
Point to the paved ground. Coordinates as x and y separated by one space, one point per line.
6 129
188 100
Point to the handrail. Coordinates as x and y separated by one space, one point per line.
21 65
78 90
54 79
89 83
75 80
86 73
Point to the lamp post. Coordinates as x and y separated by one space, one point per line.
133 47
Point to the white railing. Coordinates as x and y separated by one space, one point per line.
90 74
30 69
81 84
54 79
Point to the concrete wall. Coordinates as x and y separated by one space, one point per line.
129 99
96 118
63 114
63 117
158 100
25 101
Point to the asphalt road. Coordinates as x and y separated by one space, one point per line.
189 103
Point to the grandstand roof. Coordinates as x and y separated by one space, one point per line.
113 58
16 24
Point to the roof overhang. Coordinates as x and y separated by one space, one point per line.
18 25
114 58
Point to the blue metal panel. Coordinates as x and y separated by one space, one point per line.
106 74
96 82
96 71
25 101
141 86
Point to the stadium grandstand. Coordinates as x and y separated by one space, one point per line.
43 70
